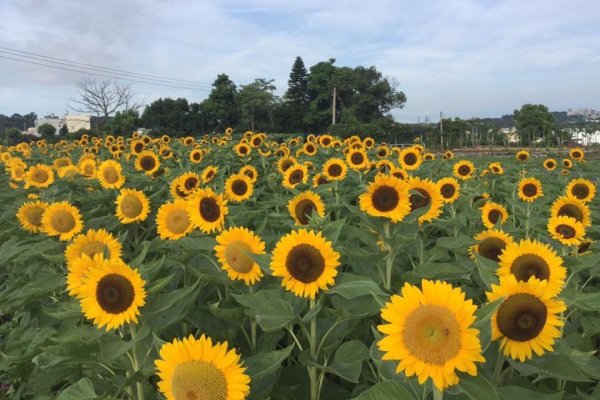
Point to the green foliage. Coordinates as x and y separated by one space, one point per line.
534 123
255 100
46 130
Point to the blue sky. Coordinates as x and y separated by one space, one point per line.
462 57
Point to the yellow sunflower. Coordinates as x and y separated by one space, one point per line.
428 156
242 149
335 169
566 230
30 215
132 206
464 169
285 162
492 214
197 369
399 173
448 155
319 180
173 220
496 168
137 146
208 210
68 172
94 241
528 318
357 158
250 172
532 258
39 176
491 244
189 181
382 151
196 156
147 161
234 245
238 188
209 173
430 332
325 140
567 163
61 219
577 154
112 293
449 189
87 167
425 193
110 175
60 162
368 142
303 205
310 149
572 207
550 164
306 261
386 196
582 189
384 166
522 156
295 175
530 189
410 158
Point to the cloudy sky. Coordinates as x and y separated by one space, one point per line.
464 58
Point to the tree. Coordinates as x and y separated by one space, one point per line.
220 109
318 117
167 116
257 99
296 97
11 135
46 130
103 99
64 130
534 123
123 123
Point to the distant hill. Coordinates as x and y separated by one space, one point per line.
506 121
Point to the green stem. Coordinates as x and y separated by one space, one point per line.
312 371
437 393
136 365
527 215
498 369
253 324
389 257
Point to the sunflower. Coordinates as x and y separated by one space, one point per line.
112 293
448 155
234 245
368 142
250 172
319 180
17 169
208 210
410 158
91 243
566 230
189 182
173 220
386 196
428 156
527 319
304 204
571 206
196 156
581 188
286 162
295 175
39 176
550 164
496 168
335 169
61 219
522 156
209 173
399 173
137 146
195 369
30 215
430 332
147 161
110 175
238 188
242 149
492 214
60 162
87 167
425 193
384 166
449 189
530 189
306 261
132 206
532 258
491 244
577 154
382 151
309 149
357 158
567 163
256 140
325 140
464 169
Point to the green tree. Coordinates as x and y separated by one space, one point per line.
46 130
296 98
167 116
533 122
11 136
123 123
257 99
220 110
64 130
318 117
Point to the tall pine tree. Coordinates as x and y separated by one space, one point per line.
296 97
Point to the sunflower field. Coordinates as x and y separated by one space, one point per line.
246 266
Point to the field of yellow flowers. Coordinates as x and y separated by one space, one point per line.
246 266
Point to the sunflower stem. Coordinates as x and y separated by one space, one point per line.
136 365
527 215
389 257
312 371
252 324
437 393
498 369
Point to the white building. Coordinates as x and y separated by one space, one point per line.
585 139
77 122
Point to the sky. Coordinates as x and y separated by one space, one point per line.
462 58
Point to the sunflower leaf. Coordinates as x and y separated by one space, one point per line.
348 359
351 286
274 315
476 387
483 322
83 389
384 391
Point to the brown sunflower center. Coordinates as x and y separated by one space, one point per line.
243 150
583 247
357 158
530 190
256 141
400 175
550 164
303 210
310 148
34 216
209 209
581 191
138 147
419 200
63 221
522 157
527 265
287 163
305 263
131 206
178 221
494 216
92 248
410 159
385 198
296 177
571 210
432 334
491 248
198 380
88 170
576 154
382 153
238 260
566 231
521 317
147 163
239 187
464 170
448 190
321 180
249 173
209 175
40 176
110 175
334 170
115 293
191 183
197 156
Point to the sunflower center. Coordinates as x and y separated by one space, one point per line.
40 176
529 190
243 149
303 210
399 175
239 187
34 216
550 164
422 199
464 170
521 317
432 334
494 216
178 221
382 153
522 157
357 158
566 231
305 263
209 175
131 206
286 164
197 156
198 380
410 159
63 221
147 163
310 148
88 170
385 198
296 176
92 248
115 293
527 265
190 183
238 260
448 190
491 248
571 210
110 175
334 170
138 147
209 209
580 191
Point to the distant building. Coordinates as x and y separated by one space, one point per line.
510 134
55 122
77 122
585 139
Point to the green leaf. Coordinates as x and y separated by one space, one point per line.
263 364
274 315
484 322
254 301
331 231
487 270
312 313
81 390
385 391
163 310
515 392
476 387
348 359
351 286
455 243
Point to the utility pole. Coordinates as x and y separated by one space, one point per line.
441 131
333 108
